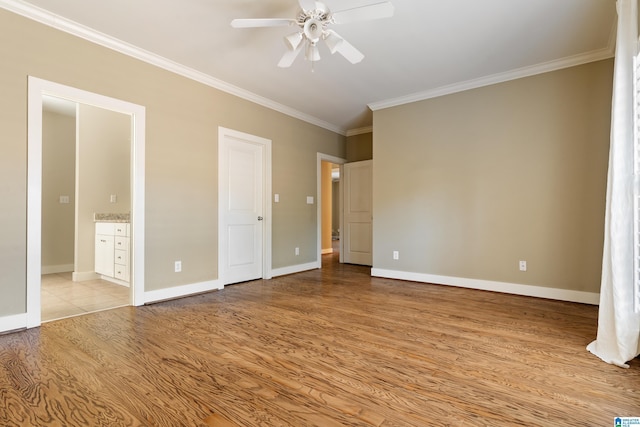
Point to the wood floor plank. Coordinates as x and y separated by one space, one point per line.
329 347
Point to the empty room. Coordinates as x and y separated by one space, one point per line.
319 213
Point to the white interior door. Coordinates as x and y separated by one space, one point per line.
242 206
358 213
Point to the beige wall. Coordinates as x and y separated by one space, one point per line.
58 179
466 185
104 165
360 147
182 119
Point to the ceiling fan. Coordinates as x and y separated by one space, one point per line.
313 21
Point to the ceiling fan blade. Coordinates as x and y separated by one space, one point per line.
347 50
252 23
378 10
307 4
290 56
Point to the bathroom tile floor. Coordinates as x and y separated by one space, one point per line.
61 297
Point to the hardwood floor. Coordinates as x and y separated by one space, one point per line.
330 347
62 297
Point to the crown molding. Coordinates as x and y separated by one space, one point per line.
359 131
519 73
68 26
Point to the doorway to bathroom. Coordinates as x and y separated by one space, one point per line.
86 163
85 214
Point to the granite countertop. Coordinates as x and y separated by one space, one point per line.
111 217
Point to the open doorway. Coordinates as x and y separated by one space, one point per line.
86 163
329 207
37 91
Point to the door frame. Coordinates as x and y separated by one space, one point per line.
223 134
338 161
36 89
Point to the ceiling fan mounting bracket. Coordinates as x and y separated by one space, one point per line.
320 13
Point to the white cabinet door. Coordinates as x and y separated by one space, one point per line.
104 255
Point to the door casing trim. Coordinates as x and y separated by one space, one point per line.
36 88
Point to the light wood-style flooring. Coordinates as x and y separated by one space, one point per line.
329 347
61 297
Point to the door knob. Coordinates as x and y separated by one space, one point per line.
260 218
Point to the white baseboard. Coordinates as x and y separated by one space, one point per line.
81 276
181 291
52 269
327 251
487 285
12 323
294 269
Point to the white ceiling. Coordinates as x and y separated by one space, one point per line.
428 48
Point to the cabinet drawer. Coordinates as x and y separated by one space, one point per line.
121 257
122 243
121 272
105 228
122 229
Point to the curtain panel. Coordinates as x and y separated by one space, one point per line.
618 336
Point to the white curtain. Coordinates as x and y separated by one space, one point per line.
618 339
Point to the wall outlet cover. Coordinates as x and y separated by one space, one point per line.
523 265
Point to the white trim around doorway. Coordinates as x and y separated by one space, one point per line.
36 89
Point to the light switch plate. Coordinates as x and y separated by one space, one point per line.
276 198
309 200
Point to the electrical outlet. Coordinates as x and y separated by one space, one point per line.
396 255
178 266
113 198
523 265
297 251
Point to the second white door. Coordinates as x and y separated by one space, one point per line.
358 213
242 210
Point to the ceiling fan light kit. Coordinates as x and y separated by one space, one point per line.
332 40
293 40
312 53
313 21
